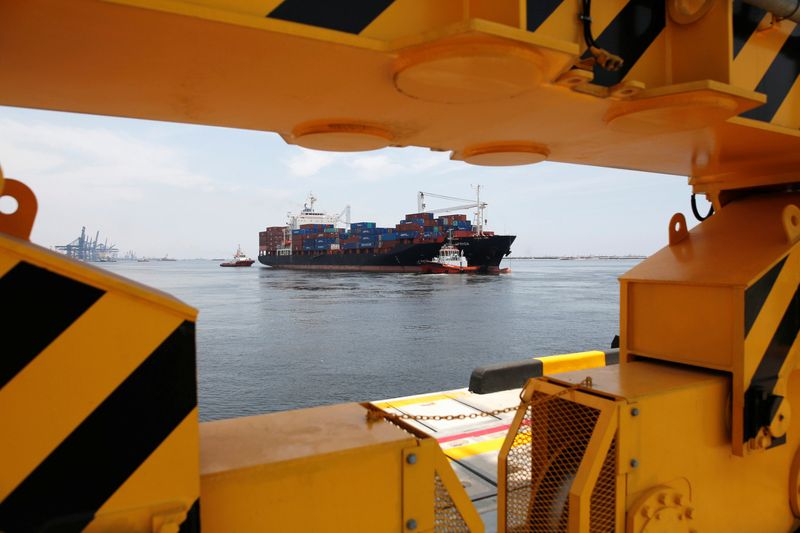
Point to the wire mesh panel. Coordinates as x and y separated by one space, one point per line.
446 518
542 462
602 517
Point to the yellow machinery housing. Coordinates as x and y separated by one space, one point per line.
98 395
693 430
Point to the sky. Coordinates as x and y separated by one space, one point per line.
188 191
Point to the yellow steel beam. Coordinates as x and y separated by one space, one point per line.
400 79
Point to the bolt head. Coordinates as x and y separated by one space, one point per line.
635 411
634 463
411 524
411 458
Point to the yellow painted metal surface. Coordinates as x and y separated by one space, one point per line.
401 69
98 390
321 469
494 83
722 298
672 437
555 364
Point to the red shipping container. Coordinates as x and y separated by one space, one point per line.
408 227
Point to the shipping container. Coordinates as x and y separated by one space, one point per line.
362 225
425 216
408 227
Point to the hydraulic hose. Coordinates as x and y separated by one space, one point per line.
697 213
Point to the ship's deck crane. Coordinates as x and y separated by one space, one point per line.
694 428
480 207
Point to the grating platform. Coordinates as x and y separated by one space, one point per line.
471 444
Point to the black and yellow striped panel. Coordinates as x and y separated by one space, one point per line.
98 405
628 28
772 332
766 58
350 16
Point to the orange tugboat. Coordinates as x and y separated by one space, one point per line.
451 260
239 259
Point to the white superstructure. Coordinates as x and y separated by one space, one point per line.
310 216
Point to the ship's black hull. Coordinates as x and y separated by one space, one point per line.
483 252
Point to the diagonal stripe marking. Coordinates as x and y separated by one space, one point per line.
788 113
785 335
170 474
350 16
757 341
538 11
629 35
756 58
88 467
52 395
779 79
43 298
746 19
476 433
756 294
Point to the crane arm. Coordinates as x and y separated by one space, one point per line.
455 208
684 101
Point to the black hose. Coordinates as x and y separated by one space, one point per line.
586 18
697 213
604 58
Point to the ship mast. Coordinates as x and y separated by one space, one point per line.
479 208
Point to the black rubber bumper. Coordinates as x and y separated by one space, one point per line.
513 375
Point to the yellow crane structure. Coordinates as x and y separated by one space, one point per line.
692 431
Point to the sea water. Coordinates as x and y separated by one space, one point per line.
271 340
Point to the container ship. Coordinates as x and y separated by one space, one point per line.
313 240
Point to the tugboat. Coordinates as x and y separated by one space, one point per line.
450 260
239 259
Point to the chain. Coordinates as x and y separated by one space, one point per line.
374 415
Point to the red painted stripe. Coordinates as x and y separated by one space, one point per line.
476 433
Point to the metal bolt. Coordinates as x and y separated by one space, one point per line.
635 411
411 524
634 463
411 459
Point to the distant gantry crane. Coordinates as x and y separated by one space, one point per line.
85 249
